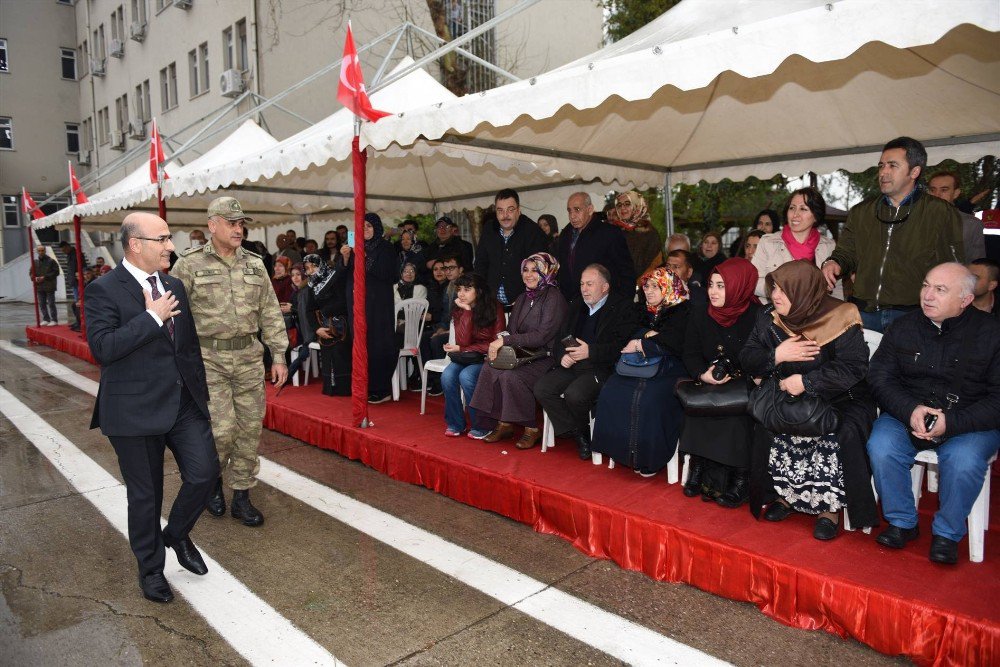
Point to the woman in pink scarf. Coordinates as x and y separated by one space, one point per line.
798 239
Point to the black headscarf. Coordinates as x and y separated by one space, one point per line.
373 243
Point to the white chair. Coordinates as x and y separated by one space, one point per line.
434 366
413 326
673 465
979 517
309 367
873 338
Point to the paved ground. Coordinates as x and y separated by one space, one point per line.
68 594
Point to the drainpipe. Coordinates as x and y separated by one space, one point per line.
255 58
95 153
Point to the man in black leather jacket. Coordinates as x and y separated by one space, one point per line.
936 376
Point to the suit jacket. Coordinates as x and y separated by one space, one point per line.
618 319
143 370
599 243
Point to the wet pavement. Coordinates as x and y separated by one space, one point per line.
68 592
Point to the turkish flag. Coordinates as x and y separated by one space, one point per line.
156 155
75 188
28 205
351 90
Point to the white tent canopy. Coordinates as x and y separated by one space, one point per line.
719 89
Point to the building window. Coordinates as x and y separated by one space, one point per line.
66 2
241 45
6 134
161 5
121 114
4 65
168 87
103 126
143 110
87 127
198 69
68 63
84 59
72 138
118 24
227 48
138 11
100 46
193 71
203 58
11 211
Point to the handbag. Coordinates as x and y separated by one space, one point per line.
802 415
510 357
337 326
467 358
701 399
638 365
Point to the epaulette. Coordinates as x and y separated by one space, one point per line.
253 254
191 251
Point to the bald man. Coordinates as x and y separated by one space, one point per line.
152 396
936 376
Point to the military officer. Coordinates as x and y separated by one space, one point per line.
231 300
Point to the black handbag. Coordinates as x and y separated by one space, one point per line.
510 357
802 415
337 326
701 399
467 358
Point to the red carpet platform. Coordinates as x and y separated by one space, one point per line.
896 602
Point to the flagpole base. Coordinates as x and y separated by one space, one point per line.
365 423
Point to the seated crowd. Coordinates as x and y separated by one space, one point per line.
633 347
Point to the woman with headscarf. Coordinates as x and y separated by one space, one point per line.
506 395
380 276
720 446
282 281
328 300
638 419
814 344
407 286
631 213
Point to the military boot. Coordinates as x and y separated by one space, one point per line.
244 510
217 503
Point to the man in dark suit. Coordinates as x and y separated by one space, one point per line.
152 395
587 240
598 325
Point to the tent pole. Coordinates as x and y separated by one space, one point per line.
34 264
668 205
79 274
305 225
359 347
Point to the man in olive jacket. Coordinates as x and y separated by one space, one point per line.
891 241
936 375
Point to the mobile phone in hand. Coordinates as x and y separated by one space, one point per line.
350 238
570 342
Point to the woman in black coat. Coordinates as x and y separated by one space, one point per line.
327 296
638 419
380 311
816 345
720 446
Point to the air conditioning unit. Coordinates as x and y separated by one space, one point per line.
117 48
183 4
137 31
97 66
83 158
231 83
118 141
136 129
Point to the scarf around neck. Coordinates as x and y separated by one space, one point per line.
806 250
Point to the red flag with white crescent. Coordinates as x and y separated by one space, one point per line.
75 188
351 90
156 155
28 205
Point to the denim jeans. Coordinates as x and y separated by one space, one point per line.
457 379
962 468
880 320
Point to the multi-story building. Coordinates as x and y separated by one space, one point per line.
110 66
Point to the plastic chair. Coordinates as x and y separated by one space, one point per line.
979 517
434 366
873 338
413 326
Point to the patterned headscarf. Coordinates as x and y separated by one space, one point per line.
318 280
673 288
640 211
547 267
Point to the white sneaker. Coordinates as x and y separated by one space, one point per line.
53 324
44 323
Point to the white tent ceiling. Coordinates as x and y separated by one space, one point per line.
735 88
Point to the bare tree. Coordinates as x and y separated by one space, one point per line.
451 66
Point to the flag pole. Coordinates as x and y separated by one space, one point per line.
359 350
79 273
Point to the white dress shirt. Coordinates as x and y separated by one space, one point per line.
143 279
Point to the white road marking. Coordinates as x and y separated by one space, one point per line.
581 620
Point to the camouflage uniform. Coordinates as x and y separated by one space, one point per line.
231 299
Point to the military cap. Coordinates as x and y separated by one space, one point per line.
228 208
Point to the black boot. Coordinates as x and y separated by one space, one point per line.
738 491
692 487
582 437
244 510
217 503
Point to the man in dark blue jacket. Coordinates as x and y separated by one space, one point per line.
915 375
587 240
504 244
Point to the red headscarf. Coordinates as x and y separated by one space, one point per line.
740 277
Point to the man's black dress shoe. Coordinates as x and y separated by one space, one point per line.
155 587
582 443
777 511
895 537
944 550
217 503
187 554
825 529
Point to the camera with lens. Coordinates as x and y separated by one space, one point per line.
723 366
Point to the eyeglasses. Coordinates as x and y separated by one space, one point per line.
450 268
157 239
